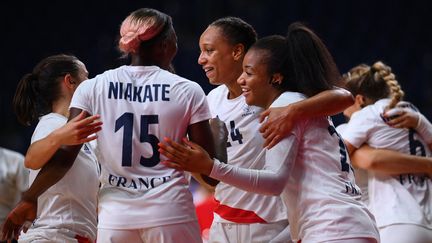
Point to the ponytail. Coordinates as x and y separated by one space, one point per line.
37 91
382 71
24 101
311 64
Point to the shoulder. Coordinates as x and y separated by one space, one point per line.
287 98
47 124
220 90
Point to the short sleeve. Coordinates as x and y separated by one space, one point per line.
82 96
46 126
199 105
356 130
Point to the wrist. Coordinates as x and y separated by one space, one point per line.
54 139
424 128
28 196
294 111
208 166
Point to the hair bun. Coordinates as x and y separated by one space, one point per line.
133 31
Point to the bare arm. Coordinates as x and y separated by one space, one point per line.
408 118
201 134
51 173
76 131
390 162
282 119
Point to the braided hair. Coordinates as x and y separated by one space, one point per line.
374 82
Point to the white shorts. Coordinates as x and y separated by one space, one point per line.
51 236
353 240
402 233
188 232
232 232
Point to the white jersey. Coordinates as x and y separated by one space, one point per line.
361 175
13 180
71 203
139 106
312 171
405 198
244 145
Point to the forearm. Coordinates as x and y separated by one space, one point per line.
200 133
41 151
258 181
52 172
390 162
271 179
424 128
326 103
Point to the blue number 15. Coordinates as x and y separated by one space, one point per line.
126 121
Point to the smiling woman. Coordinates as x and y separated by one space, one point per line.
309 168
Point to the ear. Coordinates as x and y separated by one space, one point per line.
238 52
277 79
360 100
68 81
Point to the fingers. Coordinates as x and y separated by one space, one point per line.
172 150
167 151
176 146
263 115
88 131
171 164
88 120
26 226
268 139
88 139
276 139
80 116
397 121
10 229
191 144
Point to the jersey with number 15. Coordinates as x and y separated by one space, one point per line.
139 106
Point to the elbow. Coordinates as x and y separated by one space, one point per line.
367 161
348 98
275 190
29 164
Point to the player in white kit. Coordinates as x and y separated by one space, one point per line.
400 193
309 168
66 212
140 199
13 181
242 215
239 215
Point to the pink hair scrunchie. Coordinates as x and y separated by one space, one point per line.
134 31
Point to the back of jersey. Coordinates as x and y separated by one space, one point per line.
404 198
139 106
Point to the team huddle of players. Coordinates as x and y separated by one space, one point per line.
288 172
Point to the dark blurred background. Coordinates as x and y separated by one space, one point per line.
396 32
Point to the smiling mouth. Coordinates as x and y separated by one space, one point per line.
245 91
206 70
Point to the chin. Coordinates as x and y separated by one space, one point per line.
250 101
214 82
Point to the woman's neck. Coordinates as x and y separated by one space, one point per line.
61 107
234 90
272 96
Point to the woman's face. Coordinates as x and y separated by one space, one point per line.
217 57
255 80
